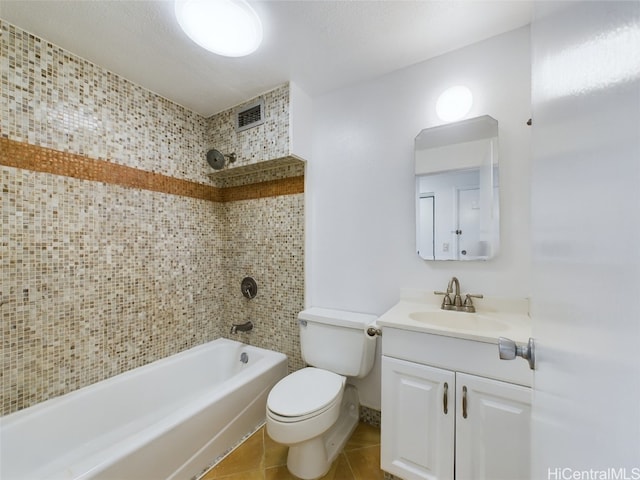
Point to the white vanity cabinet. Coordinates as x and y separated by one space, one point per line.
452 409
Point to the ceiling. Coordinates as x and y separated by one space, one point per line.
321 45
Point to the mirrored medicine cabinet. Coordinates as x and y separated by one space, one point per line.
457 190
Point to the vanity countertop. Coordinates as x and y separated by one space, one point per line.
494 317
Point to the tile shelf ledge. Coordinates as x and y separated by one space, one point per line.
275 164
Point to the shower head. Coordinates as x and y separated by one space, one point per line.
216 159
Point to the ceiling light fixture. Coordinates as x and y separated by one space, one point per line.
226 27
454 103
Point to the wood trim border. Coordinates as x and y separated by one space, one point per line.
46 160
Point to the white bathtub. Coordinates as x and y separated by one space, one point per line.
167 420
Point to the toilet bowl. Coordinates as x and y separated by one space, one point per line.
304 405
314 410
316 437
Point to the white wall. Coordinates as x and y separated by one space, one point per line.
300 122
360 183
360 212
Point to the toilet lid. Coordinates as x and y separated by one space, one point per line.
304 392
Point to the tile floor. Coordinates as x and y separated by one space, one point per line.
260 458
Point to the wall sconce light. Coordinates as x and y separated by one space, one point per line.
454 103
230 28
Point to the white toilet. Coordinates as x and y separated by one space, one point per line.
314 410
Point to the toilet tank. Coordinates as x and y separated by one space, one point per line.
337 341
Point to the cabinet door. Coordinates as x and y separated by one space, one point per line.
493 440
417 433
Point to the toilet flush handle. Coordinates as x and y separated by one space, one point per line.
374 331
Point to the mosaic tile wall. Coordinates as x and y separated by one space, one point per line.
262 142
264 239
54 99
98 278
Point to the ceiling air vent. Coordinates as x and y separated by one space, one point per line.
250 115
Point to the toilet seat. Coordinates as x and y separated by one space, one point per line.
301 418
304 394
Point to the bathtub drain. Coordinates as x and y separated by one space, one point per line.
244 358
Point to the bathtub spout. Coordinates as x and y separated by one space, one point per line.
241 327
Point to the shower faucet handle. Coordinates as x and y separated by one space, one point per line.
249 287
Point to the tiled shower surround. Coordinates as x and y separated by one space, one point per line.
98 278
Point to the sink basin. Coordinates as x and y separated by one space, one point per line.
459 320
495 318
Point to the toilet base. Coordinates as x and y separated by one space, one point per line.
312 459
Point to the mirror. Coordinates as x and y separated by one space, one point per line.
457 190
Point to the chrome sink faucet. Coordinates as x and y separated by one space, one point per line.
457 304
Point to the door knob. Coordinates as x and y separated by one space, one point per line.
508 350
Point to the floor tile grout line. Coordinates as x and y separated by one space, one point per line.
346 459
363 446
238 447
228 453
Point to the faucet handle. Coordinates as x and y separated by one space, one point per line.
447 304
468 303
